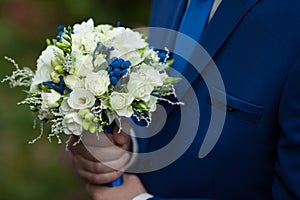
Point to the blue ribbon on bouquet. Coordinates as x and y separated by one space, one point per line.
118 181
115 183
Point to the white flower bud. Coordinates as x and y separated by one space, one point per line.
50 100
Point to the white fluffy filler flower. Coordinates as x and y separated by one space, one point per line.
72 124
121 103
97 83
50 100
44 67
81 98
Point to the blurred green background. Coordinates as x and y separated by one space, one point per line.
42 170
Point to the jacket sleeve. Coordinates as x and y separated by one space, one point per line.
286 184
158 198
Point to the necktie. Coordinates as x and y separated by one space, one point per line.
192 24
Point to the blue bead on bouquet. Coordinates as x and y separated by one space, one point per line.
117 67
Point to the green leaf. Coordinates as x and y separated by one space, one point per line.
142 106
171 80
110 116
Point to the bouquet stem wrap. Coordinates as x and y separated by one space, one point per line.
116 182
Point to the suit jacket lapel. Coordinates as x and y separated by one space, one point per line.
227 17
225 20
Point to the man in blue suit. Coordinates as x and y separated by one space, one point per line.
256 46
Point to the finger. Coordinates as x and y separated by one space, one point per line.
91 166
80 149
101 167
104 154
118 164
99 178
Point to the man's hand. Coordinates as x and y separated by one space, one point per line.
131 188
101 163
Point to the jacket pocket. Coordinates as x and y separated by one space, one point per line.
236 106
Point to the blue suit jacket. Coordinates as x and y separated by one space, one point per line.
256 46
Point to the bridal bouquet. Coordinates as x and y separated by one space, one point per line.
90 76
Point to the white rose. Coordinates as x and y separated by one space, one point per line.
139 88
73 82
81 98
84 27
98 82
72 124
50 100
64 107
44 68
121 103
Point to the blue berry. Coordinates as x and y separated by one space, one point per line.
113 80
61 28
125 65
110 61
111 73
117 72
115 64
121 61
123 72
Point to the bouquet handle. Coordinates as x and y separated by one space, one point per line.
116 182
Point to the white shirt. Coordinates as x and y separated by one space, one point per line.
214 8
